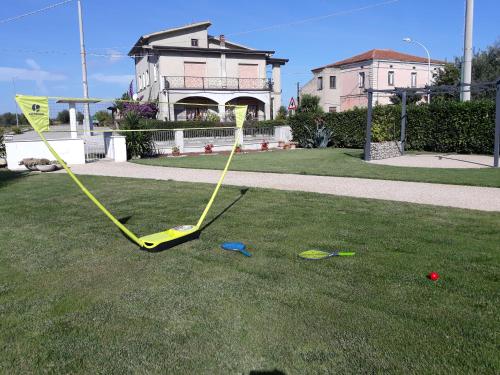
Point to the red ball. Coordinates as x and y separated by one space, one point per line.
433 276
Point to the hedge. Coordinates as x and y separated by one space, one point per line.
442 126
160 124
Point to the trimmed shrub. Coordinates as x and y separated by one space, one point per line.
442 126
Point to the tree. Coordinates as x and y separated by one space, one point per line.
485 68
410 99
80 117
103 118
486 64
63 117
8 119
448 75
309 104
282 113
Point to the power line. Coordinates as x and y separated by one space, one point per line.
52 6
298 22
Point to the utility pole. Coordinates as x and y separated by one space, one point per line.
86 109
467 61
298 94
14 86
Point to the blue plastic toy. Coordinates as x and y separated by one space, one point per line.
236 246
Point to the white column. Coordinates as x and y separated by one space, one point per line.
119 145
72 120
239 136
276 88
222 112
179 139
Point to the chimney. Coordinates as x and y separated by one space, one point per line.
222 40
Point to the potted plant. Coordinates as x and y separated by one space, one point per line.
264 146
176 151
238 148
293 145
287 146
208 148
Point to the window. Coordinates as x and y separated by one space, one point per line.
147 78
320 83
390 78
361 79
143 80
139 83
155 72
194 42
333 82
414 79
332 109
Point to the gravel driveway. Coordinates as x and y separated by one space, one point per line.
469 197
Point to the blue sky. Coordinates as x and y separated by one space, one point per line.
42 51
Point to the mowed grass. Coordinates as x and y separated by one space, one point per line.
332 162
77 297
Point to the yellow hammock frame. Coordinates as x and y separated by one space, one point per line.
36 110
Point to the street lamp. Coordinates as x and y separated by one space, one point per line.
410 40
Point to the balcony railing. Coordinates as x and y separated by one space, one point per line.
217 83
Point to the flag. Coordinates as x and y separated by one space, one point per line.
36 110
241 113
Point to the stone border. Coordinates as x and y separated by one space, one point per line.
385 150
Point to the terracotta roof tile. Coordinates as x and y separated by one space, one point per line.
379 54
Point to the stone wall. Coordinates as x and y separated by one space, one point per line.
385 150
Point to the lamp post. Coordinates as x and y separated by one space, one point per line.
410 40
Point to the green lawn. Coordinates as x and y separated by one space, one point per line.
332 162
77 297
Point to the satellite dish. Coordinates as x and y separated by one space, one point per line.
134 96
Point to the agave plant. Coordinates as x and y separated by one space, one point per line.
319 136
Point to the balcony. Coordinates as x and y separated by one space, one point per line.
217 83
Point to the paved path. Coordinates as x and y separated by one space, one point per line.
439 161
478 198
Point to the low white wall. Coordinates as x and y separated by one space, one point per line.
72 151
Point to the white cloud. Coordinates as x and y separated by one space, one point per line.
119 79
36 74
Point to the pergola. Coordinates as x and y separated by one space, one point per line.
404 92
87 125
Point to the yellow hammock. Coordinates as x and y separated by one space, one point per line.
36 110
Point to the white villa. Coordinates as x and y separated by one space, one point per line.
187 65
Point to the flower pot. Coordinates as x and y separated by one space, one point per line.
176 153
286 147
46 167
281 144
209 151
3 163
238 149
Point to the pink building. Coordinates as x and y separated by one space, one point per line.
341 85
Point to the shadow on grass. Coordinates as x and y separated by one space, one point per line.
190 237
266 372
357 155
7 177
